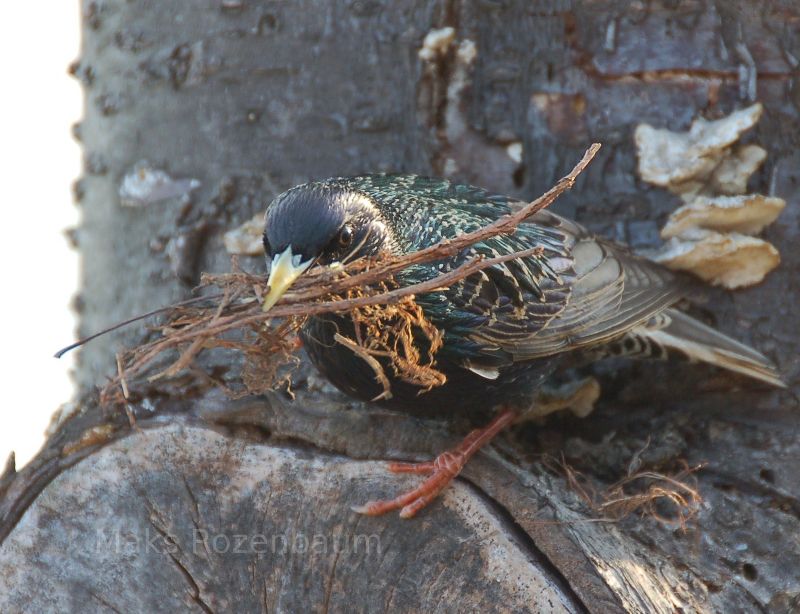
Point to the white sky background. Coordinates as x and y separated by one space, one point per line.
39 161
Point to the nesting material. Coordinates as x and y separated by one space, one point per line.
684 162
390 332
388 321
246 240
732 260
671 499
747 213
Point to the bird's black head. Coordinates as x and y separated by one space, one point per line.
319 223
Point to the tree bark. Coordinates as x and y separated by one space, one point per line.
209 504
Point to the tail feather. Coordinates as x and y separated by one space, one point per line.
674 331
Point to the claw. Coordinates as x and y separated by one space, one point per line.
440 472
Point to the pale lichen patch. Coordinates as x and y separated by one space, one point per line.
746 213
514 151
731 260
246 240
144 185
436 43
577 396
708 235
733 172
683 162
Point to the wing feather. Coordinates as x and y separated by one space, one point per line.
583 290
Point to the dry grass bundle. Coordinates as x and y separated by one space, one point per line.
390 324
647 491
671 499
395 333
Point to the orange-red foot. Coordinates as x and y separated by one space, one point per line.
440 471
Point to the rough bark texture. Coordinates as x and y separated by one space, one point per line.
252 97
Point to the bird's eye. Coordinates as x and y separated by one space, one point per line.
345 236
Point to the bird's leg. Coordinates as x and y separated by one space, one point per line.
441 471
428 467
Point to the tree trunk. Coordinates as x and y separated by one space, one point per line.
198 113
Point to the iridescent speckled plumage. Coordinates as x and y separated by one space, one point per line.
508 326
505 328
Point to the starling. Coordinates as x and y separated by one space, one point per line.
506 328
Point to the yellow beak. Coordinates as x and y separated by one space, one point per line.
285 269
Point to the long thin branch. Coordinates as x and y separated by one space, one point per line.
326 291
448 247
391 297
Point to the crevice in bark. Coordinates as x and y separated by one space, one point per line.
526 542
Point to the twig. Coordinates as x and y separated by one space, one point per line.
446 248
380 374
322 290
121 375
